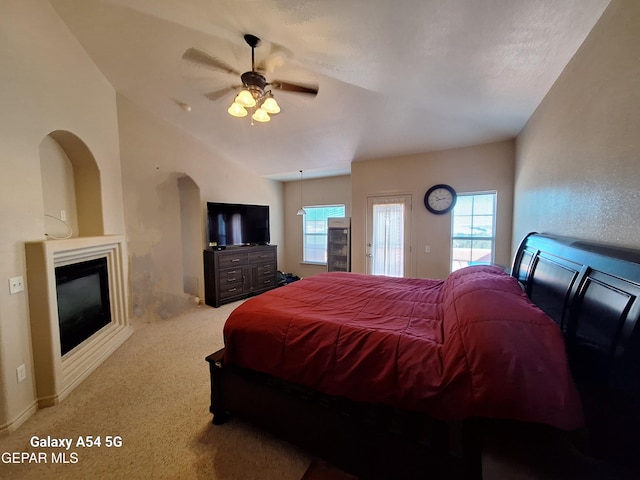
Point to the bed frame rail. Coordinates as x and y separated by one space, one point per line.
369 440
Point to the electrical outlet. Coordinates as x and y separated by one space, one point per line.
16 284
427 249
21 373
63 215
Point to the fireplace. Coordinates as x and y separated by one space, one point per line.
82 291
77 307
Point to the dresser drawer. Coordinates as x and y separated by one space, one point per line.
266 269
231 289
262 256
264 283
230 276
231 283
228 260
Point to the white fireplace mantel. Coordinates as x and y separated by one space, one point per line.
56 375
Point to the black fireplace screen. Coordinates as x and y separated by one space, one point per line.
83 301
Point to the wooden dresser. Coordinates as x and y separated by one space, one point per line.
238 272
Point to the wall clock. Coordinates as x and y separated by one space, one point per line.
440 199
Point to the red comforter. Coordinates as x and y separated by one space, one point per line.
471 345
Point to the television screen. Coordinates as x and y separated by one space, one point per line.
237 224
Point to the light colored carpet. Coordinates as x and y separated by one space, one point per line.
153 392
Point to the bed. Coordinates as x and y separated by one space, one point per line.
393 378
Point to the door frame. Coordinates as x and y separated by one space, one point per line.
409 264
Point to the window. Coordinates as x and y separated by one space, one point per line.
314 231
473 230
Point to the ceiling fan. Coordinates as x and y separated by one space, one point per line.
255 91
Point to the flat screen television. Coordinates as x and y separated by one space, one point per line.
233 224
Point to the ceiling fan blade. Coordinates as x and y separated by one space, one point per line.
296 88
269 65
202 58
277 57
218 94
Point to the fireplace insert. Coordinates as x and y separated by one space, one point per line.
83 301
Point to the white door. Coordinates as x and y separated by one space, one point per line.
388 235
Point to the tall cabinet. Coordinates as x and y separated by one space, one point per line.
238 272
339 244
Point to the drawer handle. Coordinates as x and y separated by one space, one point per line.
232 289
235 259
268 272
229 280
267 281
232 272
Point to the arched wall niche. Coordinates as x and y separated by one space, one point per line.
71 187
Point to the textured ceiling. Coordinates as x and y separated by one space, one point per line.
395 77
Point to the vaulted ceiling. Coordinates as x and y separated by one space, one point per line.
395 77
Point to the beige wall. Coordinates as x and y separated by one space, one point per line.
42 90
318 191
168 176
578 158
473 169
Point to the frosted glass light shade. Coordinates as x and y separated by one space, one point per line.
245 99
237 110
261 116
270 106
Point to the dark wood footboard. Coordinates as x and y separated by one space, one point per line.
370 441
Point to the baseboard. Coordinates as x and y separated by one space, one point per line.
14 424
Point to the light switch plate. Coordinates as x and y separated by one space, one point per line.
21 373
16 284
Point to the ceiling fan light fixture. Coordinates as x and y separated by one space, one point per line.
261 116
270 105
245 99
255 94
237 110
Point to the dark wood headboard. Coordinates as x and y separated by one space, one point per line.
592 291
